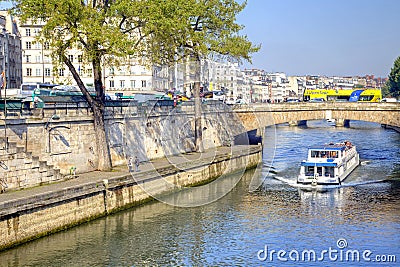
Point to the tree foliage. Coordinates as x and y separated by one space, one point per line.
204 28
394 79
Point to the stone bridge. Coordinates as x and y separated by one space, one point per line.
262 115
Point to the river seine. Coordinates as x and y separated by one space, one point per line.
275 225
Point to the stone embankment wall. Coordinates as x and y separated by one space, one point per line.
39 147
28 218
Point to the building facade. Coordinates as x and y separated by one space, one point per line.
38 66
10 51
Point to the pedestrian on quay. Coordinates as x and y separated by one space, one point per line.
130 164
136 164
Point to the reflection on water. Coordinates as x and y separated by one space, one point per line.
232 230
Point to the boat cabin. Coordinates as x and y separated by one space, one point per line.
323 160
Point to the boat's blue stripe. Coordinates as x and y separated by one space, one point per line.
319 164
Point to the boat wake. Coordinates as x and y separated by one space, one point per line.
294 183
363 183
285 180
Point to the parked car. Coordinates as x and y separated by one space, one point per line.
293 100
317 100
241 102
230 101
219 95
389 99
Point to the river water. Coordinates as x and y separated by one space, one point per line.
356 225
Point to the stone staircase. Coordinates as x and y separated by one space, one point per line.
21 169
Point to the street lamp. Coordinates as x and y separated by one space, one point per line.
53 117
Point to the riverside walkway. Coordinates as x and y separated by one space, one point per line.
147 170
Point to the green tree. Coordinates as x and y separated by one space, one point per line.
394 79
385 90
110 31
208 29
107 32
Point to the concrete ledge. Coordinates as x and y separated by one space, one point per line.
24 217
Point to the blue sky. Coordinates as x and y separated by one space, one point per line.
325 37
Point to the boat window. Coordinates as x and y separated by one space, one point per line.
319 171
329 171
333 154
310 171
315 154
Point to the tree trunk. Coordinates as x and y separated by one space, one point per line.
97 104
197 108
103 150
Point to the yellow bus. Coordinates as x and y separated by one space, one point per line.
352 95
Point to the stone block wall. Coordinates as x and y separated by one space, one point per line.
26 225
69 142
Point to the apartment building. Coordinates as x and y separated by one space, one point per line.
10 51
38 66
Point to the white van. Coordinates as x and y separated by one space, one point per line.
219 95
389 99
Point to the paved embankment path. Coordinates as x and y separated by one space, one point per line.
148 170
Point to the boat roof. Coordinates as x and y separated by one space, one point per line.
331 146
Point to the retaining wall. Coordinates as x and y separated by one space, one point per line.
31 217
69 142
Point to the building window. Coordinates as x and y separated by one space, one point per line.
47 59
46 45
37 45
112 84
122 83
133 83
28 32
28 72
38 72
143 83
38 59
61 72
89 73
71 58
28 45
47 72
80 60
28 58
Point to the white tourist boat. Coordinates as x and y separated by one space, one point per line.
328 165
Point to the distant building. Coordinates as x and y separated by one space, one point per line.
10 51
25 59
38 66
